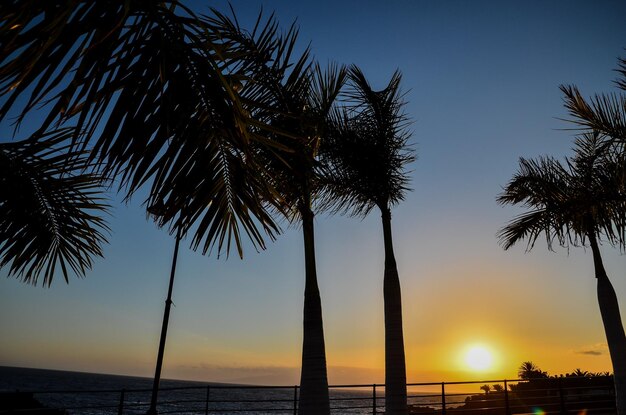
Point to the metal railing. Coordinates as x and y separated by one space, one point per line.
566 395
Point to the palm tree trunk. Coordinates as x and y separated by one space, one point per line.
613 328
166 319
314 399
395 366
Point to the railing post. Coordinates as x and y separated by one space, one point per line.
374 398
443 398
561 397
507 408
206 404
120 408
295 400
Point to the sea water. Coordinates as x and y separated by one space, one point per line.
98 394
88 393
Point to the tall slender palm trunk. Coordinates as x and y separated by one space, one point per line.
395 365
613 328
314 399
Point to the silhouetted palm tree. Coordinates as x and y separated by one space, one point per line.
576 205
498 388
50 209
579 373
304 97
528 370
366 156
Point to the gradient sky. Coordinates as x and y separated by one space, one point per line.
482 80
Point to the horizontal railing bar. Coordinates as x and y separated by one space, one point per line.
243 400
361 386
283 410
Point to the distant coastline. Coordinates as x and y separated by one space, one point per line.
23 375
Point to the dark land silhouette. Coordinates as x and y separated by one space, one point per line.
537 392
25 403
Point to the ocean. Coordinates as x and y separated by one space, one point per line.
97 394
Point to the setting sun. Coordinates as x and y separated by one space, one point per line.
479 358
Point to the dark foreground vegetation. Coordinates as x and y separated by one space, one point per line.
24 403
536 392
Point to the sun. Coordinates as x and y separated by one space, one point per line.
479 358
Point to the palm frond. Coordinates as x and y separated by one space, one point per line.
537 182
327 84
529 226
50 209
274 93
621 69
539 185
605 113
599 179
347 167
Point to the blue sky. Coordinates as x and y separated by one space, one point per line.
482 84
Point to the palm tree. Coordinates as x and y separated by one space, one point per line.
304 96
528 370
50 209
577 205
366 157
579 373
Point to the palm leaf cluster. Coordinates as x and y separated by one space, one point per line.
50 209
365 153
306 99
152 90
605 113
289 167
568 202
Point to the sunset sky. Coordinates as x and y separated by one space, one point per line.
482 82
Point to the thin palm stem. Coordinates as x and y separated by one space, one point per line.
166 318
